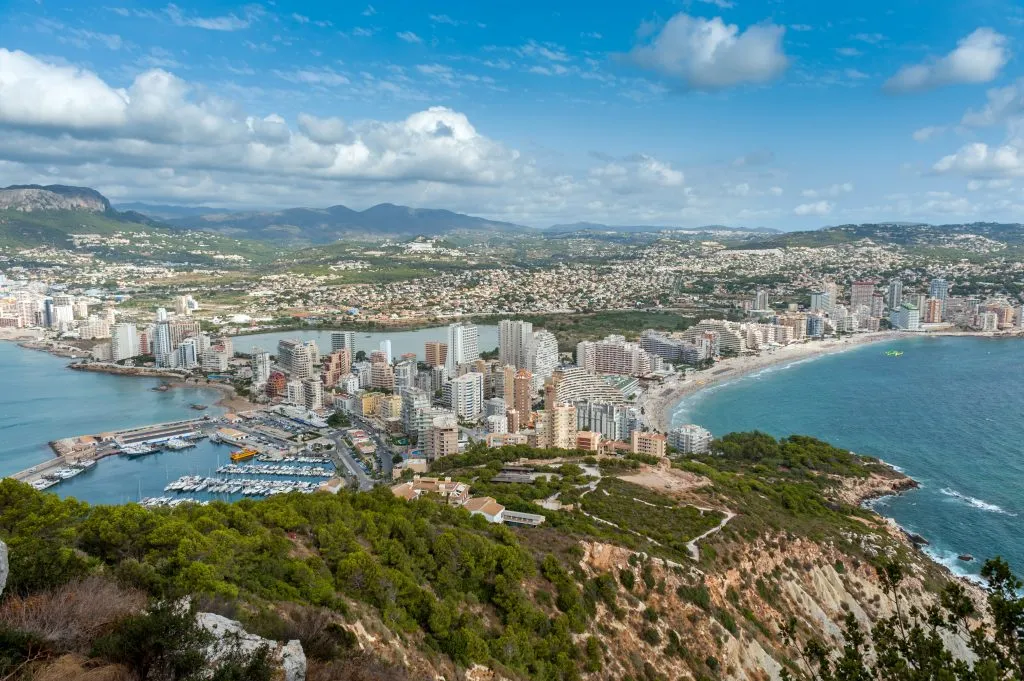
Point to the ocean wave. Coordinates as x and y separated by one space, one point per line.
975 503
951 561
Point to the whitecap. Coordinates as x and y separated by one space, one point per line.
952 562
974 502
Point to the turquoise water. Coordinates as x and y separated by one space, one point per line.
42 400
948 413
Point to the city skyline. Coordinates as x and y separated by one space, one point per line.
741 114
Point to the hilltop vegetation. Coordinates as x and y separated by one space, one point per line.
442 590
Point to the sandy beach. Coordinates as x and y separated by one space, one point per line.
660 401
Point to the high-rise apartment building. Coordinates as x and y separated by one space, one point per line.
297 358
335 365
443 437
761 300
559 426
463 346
436 353
515 340
651 444
344 340
260 367
614 355
862 295
938 288
690 439
542 358
895 294
465 395
124 342
522 397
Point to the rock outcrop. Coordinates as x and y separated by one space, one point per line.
4 566
30 198
230 635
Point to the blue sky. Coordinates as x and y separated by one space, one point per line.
789 114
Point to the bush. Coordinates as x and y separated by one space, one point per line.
163 644
69 617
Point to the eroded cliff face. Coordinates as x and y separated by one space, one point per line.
31 199
735 632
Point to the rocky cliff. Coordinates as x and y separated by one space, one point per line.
34 198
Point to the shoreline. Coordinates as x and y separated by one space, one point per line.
229 399
659 405
663 400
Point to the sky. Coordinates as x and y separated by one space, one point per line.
790 114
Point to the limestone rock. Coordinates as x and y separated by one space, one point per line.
4 566
229 633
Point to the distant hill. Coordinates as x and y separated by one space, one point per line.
29 198
644 229
326 225
898 233
159 211
34 215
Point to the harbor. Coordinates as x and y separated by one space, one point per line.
253 454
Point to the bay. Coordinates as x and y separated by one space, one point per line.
948 413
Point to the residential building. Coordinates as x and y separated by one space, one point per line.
453 492
588 441
405 374
385 347
933 310
297 358
335 365
543 356
575 383
690 439
895 294
559 426
523 393
463 346
260 366
906 318
382 376
821 302
652 444
497 424
515 341
861 294
124 342
344 340
615 355
487 507
761 300
436 353
312 393
613 420
938 288
464 395
443 437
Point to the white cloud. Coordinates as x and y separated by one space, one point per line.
444 19
549 51
64 115
848 52
928 132
775 191
369 11
229 22
980 159
870 38
722 4
300 18
33 93
978 58
708 54
801 27
817 208
409 37
313 76
641 173
833 190
1003 103
979 185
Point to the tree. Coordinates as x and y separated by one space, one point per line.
910 645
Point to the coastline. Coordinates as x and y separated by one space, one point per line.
659 403
229 399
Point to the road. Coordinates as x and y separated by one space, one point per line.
383 449
346 460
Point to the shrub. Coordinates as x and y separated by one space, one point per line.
163 644
69 617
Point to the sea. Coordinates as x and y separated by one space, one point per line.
948 413
42 400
